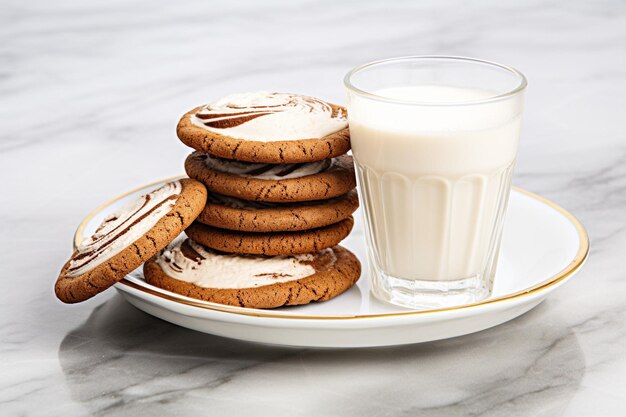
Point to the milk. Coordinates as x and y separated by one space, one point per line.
434 179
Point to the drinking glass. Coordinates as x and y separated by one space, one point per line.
434 140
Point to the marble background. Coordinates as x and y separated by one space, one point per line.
91 92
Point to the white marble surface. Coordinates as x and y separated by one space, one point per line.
91 92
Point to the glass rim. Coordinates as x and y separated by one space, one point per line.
521 86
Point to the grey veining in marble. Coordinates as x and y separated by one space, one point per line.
90 94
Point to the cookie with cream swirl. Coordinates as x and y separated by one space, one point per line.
267 128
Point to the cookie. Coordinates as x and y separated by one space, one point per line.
128 238
192 270
252 216
273 183
267 127
270 244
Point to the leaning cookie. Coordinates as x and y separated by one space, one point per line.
128 238
251 216
270 244
192 270
267 127
273 183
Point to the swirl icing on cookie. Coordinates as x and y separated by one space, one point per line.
190 262
267 171
120 229
267 117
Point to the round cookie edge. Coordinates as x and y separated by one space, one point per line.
271 244
271 152
331 183
71 290
345 272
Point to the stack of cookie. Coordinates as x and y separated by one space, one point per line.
280 199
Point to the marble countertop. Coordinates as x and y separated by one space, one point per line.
91 92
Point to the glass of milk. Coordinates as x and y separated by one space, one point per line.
434 141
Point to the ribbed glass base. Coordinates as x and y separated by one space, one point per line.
427 295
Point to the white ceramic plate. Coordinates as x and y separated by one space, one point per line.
543 246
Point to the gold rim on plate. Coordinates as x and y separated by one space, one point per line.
572 267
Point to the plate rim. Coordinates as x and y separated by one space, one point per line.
553 281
